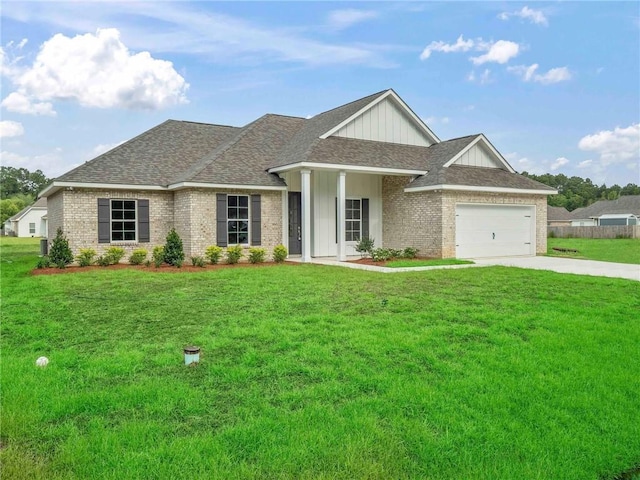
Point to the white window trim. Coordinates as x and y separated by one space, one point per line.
240 219
34 228
353 242
111 220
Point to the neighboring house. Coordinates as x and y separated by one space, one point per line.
367 168
558 217
623 211
28 222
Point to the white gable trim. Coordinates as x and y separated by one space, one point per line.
389 93
487 144
55 186
346 168
30 209
234 186
469 188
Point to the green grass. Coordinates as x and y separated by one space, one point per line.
619 250
317 372
427 263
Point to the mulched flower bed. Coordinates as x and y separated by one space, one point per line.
152 268
369 261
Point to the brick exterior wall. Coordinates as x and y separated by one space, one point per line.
426 220
192 212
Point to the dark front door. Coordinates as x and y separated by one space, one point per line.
295 223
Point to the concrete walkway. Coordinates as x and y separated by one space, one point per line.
555 264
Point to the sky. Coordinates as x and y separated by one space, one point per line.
555 86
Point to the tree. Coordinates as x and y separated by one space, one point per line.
16 181
173 249
60 253
9 207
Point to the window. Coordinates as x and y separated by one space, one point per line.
353 219
32 228
238 219
123 220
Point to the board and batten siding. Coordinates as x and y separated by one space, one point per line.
323 209
478 156
385 122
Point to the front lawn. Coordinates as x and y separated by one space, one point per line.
620 250
317 372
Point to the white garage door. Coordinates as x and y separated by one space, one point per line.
494 230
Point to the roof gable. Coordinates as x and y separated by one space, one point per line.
480 153
386 118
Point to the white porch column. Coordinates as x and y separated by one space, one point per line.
306 215
342 250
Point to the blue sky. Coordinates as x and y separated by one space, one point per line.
554 86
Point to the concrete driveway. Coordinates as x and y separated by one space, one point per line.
568 265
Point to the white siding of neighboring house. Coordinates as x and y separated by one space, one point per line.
324 193
32 216
385 122
478 156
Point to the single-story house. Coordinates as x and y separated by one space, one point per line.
623 211
558 217
369 168
31 221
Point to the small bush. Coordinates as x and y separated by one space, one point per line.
395 253
44 262
213 253
365 246
234 254
86 256
158 256
197 261
280 253
103 261
60 253
114 254
173 249
257 255
410 252
138 256
380 254
147 263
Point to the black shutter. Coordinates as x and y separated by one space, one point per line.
143 221
221 220
104 220
365 218
256 233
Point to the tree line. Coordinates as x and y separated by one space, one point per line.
576 192
18 189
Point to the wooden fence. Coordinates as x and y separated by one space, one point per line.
617 231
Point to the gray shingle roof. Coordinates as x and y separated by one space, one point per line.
557 214
176 151
155 156
624 204
41 203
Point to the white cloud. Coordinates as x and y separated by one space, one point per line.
585 163
484 78
340 19
461 45
96 71
9 128
528 74
534 16
614 146
499 52
19 103
51 164
560 162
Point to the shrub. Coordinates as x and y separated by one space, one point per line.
234 254
114 254
44 262
60 253
394 253
147 263
197 261
158 255
380 254
173 249
213 253
257 255
410 252
138 256
365 246
85 258
280 253
103 260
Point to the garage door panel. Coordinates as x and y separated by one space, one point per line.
490 230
